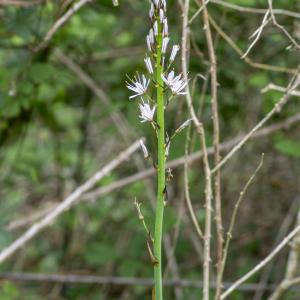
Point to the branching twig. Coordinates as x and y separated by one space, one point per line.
275 23
257 33
274 87
248 60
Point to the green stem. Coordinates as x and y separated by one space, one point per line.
159 213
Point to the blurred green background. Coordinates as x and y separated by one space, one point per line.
55 133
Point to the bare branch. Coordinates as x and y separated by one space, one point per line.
248 60
216 137
275 23
274 87
207 171
257 33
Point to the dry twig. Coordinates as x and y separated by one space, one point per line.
207 172
275 23
216 138
274 87
248 60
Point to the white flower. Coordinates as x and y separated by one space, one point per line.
165 44
175 49
161 15
150 39
155 28
164 4
148 63
151 11
139 86
151 36
165 27
167 145
149 46
156 2
168 148
144 148
146 112
176 84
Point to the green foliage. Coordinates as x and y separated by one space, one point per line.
9 291
55 133
287 146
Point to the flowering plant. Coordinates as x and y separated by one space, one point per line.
162 77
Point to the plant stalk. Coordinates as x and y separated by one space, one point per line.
159 213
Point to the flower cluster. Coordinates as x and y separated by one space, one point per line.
140 84
158 64
158 19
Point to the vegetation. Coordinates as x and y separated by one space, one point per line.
65 114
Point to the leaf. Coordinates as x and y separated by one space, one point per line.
41 72
100 254
259 80
288 147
